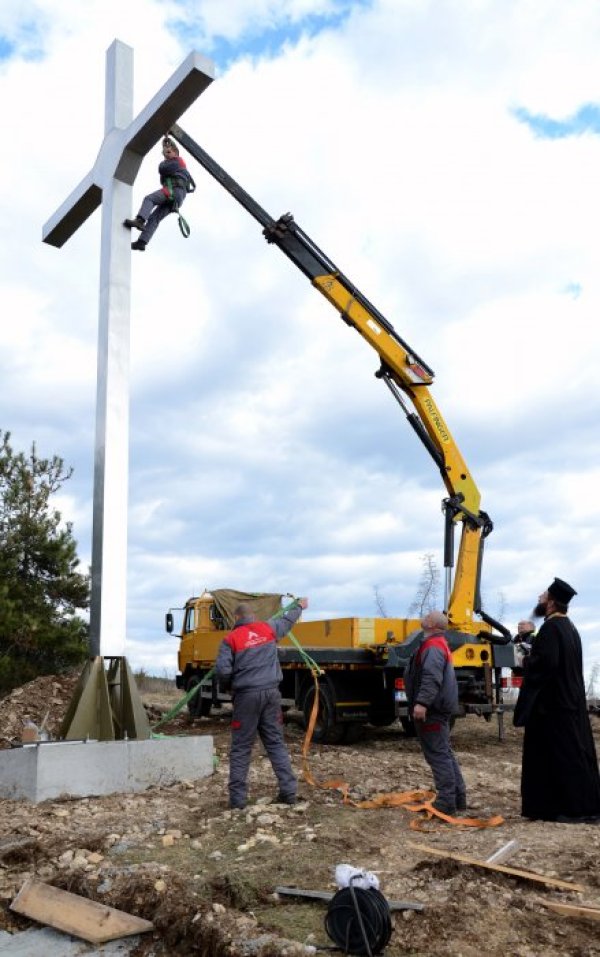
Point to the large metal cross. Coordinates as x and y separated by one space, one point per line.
126 142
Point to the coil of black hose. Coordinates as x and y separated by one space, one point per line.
359 921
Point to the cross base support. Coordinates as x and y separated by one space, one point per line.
106 705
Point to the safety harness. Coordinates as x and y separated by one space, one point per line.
169 188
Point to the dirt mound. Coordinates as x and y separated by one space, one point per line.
43 701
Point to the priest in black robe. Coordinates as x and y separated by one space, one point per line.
560 780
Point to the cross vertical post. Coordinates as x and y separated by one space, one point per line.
111 452
126 142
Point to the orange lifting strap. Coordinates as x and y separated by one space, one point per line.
418 802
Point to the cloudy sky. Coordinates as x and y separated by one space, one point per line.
445 154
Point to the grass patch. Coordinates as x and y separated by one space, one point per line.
154 683
296 921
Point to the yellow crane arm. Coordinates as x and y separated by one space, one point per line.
402 367
405 374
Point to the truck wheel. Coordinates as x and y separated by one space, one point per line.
408 726
354 731
198 707
381 717
327 730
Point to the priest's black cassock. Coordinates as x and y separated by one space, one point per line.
560 776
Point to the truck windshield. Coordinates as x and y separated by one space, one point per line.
189 619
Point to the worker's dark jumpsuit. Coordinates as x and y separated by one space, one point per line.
248 659
159 204
431 682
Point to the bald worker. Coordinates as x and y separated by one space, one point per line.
524 641
432 694
525 634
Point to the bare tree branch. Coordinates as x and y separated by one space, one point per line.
426 598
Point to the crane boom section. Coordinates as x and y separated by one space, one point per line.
413 379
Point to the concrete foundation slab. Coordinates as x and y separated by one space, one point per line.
49 769
45 942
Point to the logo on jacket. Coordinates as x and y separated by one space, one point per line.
253 638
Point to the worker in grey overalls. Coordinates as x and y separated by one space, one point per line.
432 693
248 661
175 183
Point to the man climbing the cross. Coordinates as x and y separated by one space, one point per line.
175 181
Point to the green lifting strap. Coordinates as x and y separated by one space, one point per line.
183 224
183 701
310 663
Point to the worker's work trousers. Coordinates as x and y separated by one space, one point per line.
155 207
434 738
258 712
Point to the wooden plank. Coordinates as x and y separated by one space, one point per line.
327 896
573 910
501 868
298 892
76 915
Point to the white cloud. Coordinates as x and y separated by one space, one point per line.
238 17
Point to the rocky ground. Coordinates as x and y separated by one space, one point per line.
206 876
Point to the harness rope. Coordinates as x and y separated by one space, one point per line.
183 224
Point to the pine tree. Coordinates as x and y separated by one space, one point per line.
40 586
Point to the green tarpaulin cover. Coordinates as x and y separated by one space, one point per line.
227 600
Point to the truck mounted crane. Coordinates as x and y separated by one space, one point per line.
476 638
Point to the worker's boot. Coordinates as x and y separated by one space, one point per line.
237 805
137 223
444 808
139 244
285 799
